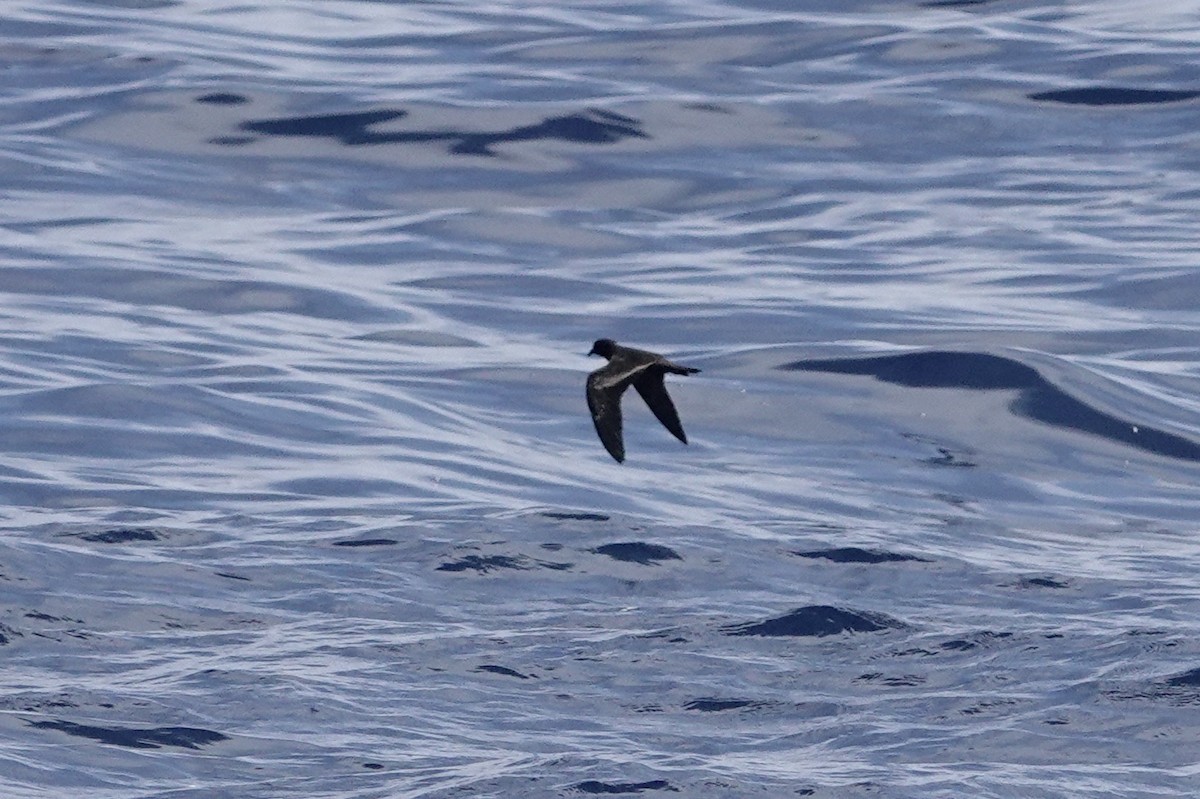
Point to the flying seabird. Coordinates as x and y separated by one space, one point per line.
645 372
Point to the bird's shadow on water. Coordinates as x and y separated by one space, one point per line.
1037 398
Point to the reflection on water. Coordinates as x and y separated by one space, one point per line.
1037 398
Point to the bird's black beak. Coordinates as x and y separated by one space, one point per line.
592 351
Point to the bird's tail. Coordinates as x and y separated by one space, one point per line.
682 370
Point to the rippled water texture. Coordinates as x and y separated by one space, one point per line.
302 497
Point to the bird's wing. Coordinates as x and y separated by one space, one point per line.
650 385
604 401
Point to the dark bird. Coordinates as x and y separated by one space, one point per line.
629 367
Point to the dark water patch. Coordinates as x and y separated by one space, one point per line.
483 564
575 516
719 705
43 705
817 620
1037 399
894 681
977 640
1042 582
222 98
137 738
7 634
229 576
1114 95
1189 679
857 555
121 535
1180 689
966 370
638 552
47 617
504 671
987 706
671 636
597 787
57 628
1155 640
947 458
356 129
348 128
367 542
953 3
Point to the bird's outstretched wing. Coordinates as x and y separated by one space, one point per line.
650 385
604 401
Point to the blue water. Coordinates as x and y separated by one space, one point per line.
300 492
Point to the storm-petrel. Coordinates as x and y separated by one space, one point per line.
644 371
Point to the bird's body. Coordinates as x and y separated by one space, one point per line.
630 367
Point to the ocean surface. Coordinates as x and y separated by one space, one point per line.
300 493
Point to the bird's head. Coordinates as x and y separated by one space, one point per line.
603 347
